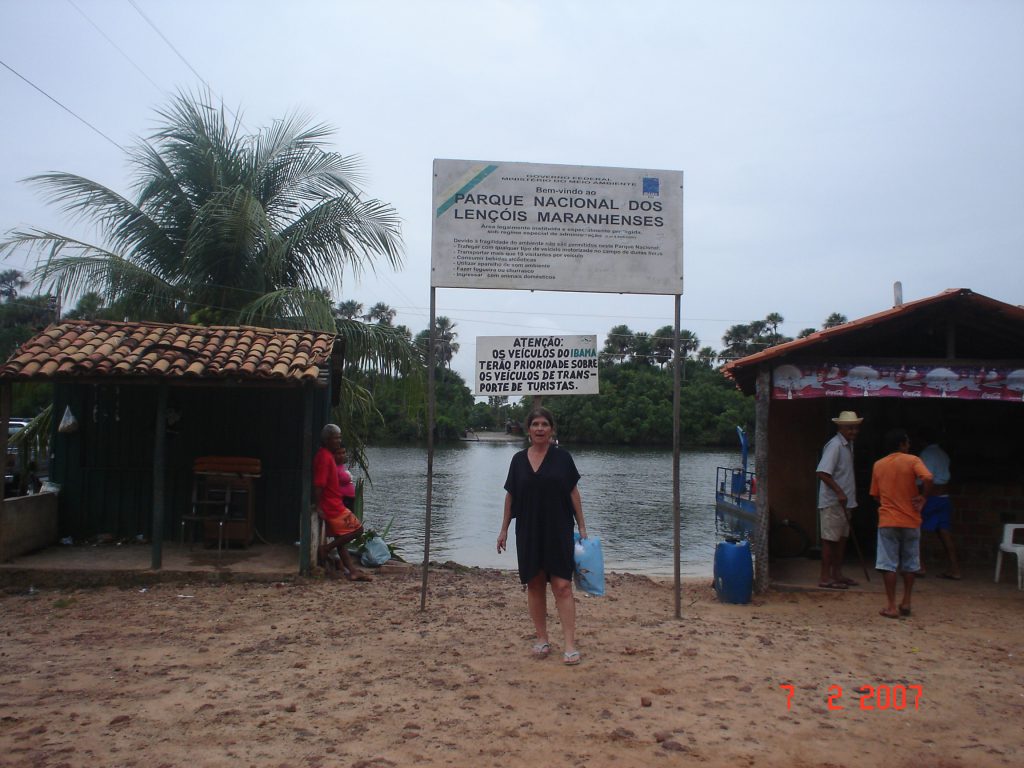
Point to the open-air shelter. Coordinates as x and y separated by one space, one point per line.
953 362
150 398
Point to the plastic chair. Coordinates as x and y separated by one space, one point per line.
1007 545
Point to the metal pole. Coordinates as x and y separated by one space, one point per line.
430 447
676 532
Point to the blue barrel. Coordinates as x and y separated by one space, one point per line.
734 571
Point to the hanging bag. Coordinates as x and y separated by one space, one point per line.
589 571
68 423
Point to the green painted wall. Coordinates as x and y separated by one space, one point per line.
105 469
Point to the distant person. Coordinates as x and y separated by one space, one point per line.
340 521
937 514
837 498
345 484
542 495
894 484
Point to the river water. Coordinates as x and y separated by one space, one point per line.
626 492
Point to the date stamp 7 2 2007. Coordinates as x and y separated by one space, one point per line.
876 698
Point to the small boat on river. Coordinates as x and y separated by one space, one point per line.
736 496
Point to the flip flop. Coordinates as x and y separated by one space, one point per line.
541 650
848 582
904 611
952 577
832 585
360 576
888 615
571 658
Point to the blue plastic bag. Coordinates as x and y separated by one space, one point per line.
589 571
375 552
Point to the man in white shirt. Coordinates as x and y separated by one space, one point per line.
837 498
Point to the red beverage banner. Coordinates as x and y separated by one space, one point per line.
808 380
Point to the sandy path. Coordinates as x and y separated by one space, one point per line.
340 674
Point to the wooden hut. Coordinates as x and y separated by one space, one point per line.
953 362
150 398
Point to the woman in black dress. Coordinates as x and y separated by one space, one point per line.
541 494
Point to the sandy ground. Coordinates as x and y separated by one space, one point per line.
329 673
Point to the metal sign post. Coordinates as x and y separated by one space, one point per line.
527 226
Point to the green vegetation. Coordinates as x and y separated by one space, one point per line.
635 408
230 227
224 227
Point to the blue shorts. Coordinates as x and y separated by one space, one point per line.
899 549
937 514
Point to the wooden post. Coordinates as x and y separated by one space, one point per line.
306 511
5 420
159 478
763 400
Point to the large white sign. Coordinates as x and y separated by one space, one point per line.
525 226
536 365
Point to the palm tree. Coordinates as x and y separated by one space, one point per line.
706 356
619 344
688 342
349 310
836 318
736 342
445 346
663 339
773 319
381 314
12 282
643 348
223 226
445 337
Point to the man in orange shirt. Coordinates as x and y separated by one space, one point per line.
894 486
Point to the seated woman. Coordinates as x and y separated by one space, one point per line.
348 488
341 523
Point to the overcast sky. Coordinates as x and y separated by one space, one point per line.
829 148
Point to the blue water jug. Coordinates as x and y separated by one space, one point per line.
734 571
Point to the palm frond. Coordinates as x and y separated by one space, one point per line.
338 233
124 225
370 346
290 308
90 267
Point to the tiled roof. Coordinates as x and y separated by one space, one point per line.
985 329
1006 313
89 349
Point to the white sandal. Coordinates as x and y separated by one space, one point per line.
541 650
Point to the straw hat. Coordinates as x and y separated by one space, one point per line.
847 418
